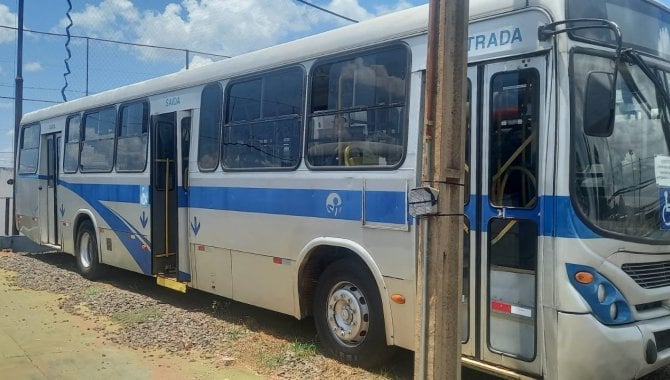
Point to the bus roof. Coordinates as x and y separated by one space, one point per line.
402 24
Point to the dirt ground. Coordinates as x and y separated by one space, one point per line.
152 327
55 324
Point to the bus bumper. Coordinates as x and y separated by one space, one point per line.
587 349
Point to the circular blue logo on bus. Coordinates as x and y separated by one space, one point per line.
334 204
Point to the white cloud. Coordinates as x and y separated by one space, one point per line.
7 18
6 105
198 61
32 66
227 27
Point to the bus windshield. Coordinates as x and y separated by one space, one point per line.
645 25
614 178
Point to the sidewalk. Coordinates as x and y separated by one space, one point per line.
40 341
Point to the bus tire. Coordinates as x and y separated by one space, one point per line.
349 316
86 252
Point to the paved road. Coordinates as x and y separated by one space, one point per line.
40 341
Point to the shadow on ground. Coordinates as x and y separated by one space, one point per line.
253 318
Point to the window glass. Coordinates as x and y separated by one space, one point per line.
268 136
131 151
513 143
512 287
72 133
244 101
615 187
97 151
209 139
29 149
358 111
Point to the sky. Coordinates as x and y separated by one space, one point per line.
224 27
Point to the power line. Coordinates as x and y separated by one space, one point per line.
120 42
31 100
327 11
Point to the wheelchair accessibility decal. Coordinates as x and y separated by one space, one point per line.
334 205
664 193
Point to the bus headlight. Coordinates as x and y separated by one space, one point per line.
607 303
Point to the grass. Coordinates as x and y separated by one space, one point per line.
93 290
271 360
136 316
303 350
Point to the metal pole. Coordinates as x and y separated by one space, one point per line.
440 259
187 58
6 216
18 106
87 43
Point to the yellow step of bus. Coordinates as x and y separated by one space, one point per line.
171 283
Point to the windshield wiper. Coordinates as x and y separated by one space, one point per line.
662 97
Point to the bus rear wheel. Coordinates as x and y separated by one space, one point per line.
349 317
86 252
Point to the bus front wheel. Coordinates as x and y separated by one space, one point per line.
349 317
88 261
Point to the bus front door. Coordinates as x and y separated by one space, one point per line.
504 322
164 207
48 188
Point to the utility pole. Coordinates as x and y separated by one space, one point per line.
18 106
440 260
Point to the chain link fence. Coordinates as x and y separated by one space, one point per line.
95 65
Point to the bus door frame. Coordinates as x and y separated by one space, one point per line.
184 139
163 192
48 187
484 213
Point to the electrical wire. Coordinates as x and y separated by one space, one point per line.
67 48
327 11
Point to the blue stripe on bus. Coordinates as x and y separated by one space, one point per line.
556 214
380 206
294 202
94 194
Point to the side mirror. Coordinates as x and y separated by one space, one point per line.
599 104
10 181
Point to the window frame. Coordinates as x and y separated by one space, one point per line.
83 137
37 148
220 128
301 117
117 133
349 55
536 79
67 140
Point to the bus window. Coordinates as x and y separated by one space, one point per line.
72 138
514 139
30 143
357 114
263 118
131 151
97 151
211 107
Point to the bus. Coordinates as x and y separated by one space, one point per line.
280 178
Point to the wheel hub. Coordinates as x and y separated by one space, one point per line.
348 314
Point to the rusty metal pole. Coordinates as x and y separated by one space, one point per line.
439 284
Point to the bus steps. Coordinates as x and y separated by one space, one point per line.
171 283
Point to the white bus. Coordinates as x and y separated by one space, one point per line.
279 178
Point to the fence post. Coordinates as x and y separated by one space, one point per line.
7 210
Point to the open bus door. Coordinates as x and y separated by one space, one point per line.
48 186
502 323
170 142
